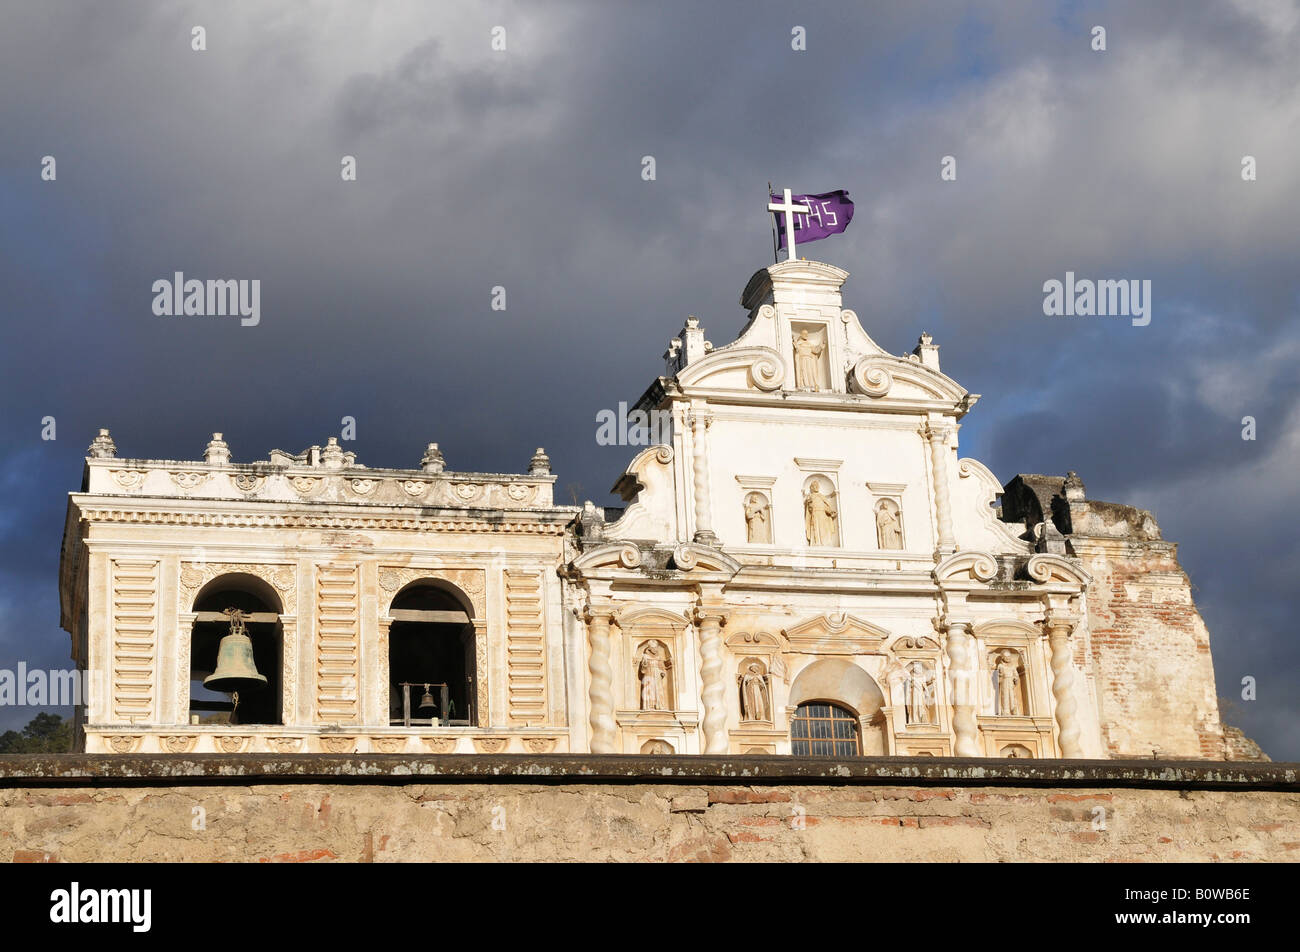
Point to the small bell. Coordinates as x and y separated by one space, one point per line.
426 702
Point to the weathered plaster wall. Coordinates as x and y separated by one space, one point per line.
385 808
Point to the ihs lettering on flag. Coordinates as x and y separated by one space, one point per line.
809 217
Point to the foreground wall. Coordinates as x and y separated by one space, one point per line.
383 808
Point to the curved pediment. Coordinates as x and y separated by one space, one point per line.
612 555
649 619
754 367
835 633
690 557
641 556
967 567
883 375
1049 568
753 641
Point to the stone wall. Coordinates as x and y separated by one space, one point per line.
383 808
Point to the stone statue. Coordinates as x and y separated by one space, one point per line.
653 672
755 704
918 687
807 368
1008 671
889 526
819 517
757 523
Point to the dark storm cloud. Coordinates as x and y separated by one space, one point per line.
522 169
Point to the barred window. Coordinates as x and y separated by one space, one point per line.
820 729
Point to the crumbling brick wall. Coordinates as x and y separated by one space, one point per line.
1150 651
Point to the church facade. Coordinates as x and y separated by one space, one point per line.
804 565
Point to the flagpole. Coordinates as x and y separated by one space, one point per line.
776 254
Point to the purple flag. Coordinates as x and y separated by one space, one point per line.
828 214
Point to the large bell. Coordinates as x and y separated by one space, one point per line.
426 702
236 670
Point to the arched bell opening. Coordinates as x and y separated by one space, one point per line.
432 671
236 641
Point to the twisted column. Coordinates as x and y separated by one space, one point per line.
703 512
961 674
714 691
937 436
1059 629
601 684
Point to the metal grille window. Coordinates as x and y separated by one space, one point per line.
823 730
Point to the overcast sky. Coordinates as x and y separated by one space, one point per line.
522 169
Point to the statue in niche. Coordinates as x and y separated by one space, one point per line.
1008 672
919 686
657 746
807 366
819 516
755 699
653 673
758 524
889 525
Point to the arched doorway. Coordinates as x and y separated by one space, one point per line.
260 611
432 665
838 711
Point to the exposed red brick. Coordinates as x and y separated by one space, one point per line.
701 849
35 856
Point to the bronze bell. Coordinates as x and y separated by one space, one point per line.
426 702
236 670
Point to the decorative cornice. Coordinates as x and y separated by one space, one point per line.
314 521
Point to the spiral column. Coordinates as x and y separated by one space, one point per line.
937 436
961 655
714 690
703 511
1059 628
601 684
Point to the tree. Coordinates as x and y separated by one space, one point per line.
44 734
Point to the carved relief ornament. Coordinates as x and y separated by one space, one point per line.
194 575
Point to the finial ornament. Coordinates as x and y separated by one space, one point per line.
433 461
102 446
217 451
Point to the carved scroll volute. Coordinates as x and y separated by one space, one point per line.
871 377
